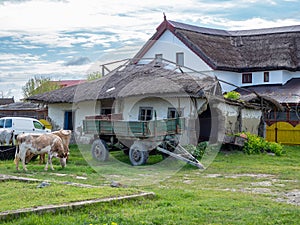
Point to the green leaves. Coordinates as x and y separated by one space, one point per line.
39 85
256 145
232 95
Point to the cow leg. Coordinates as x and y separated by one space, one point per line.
17 157
49 161
23 157
42 158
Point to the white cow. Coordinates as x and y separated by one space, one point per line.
6 136
45 143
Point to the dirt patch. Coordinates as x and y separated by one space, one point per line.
264 187
292 197
239 175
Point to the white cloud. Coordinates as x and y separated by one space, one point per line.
48 31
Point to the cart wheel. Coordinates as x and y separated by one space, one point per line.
99 150
137 155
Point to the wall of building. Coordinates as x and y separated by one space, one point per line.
287 75
251 120
56 112
168 45
238 119
131 106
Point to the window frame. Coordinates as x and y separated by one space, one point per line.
179 59
145 116
158 58
177 113
246 78
266 76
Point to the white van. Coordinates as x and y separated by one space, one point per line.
23 125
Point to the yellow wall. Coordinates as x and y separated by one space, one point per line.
286 133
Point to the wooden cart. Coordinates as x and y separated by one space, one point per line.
143 137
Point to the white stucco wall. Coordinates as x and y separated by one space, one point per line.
229 77
132 105
80 110
83 109
287 75
168 45
56 112
251 120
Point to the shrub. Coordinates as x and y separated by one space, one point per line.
232 95
197 151
275 148
256 145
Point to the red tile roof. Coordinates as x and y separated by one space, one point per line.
67 83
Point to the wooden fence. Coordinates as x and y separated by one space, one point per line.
284 133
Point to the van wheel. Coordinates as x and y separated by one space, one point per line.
99 150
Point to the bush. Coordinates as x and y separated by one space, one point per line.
256 145
232 95
197 151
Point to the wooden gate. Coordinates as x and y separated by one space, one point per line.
284 133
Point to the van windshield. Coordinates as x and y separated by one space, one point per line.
2 123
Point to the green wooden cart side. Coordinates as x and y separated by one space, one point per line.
137 129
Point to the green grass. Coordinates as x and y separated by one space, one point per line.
235 189
16 195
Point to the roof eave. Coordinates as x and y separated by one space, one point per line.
165 25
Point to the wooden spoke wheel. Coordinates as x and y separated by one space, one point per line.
99 150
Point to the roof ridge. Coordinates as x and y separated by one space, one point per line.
248 32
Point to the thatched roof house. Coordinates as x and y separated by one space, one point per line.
134 80
237 51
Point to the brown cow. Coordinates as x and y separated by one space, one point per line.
65 136
45 143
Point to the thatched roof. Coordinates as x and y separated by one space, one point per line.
20 106
135 80
238 51
5 101
287 93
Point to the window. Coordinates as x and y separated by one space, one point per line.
174 113
146 113
2 123
179 59
8 123
38 125
266 76
158 58
246 78
107 110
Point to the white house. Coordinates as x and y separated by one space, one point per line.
243 58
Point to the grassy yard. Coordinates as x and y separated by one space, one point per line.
235 189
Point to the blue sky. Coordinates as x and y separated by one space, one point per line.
70 39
